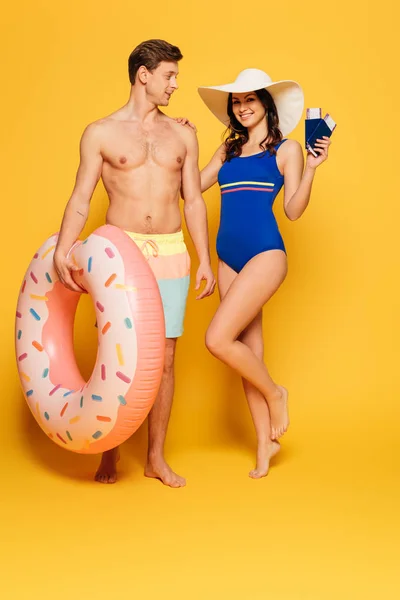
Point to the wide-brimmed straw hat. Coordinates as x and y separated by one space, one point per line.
288 97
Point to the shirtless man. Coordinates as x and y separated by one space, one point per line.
144 159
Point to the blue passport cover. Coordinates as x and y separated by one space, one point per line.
311 124
315 129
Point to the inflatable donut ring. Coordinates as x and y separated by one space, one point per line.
94 416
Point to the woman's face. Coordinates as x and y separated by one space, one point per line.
248 109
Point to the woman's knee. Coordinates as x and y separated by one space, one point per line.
215 342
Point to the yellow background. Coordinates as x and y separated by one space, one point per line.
324 524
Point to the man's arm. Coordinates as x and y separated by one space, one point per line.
77 209
196 213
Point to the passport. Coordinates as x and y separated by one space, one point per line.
316 127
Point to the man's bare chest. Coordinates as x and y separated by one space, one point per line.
129 150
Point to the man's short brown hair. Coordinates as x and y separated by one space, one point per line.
150 54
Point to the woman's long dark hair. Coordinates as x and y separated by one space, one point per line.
238 134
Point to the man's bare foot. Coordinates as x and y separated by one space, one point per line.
159 469
278 408
265 452
107 471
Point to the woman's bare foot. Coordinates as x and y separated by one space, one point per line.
265 452
107 471
159 469
278 408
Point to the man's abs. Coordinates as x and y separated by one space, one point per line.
145 201
144 215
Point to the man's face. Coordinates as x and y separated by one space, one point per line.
161 83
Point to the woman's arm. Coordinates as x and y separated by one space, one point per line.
298 184
209 175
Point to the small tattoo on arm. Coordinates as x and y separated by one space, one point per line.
79 213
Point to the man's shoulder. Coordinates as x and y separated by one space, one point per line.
100 129
103 123
185 132
171 121
95 128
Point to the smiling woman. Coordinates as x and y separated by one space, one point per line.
251 168
247 110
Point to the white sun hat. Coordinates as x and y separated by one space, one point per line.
288 97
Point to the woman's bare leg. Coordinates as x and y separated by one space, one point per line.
252 336
247 294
